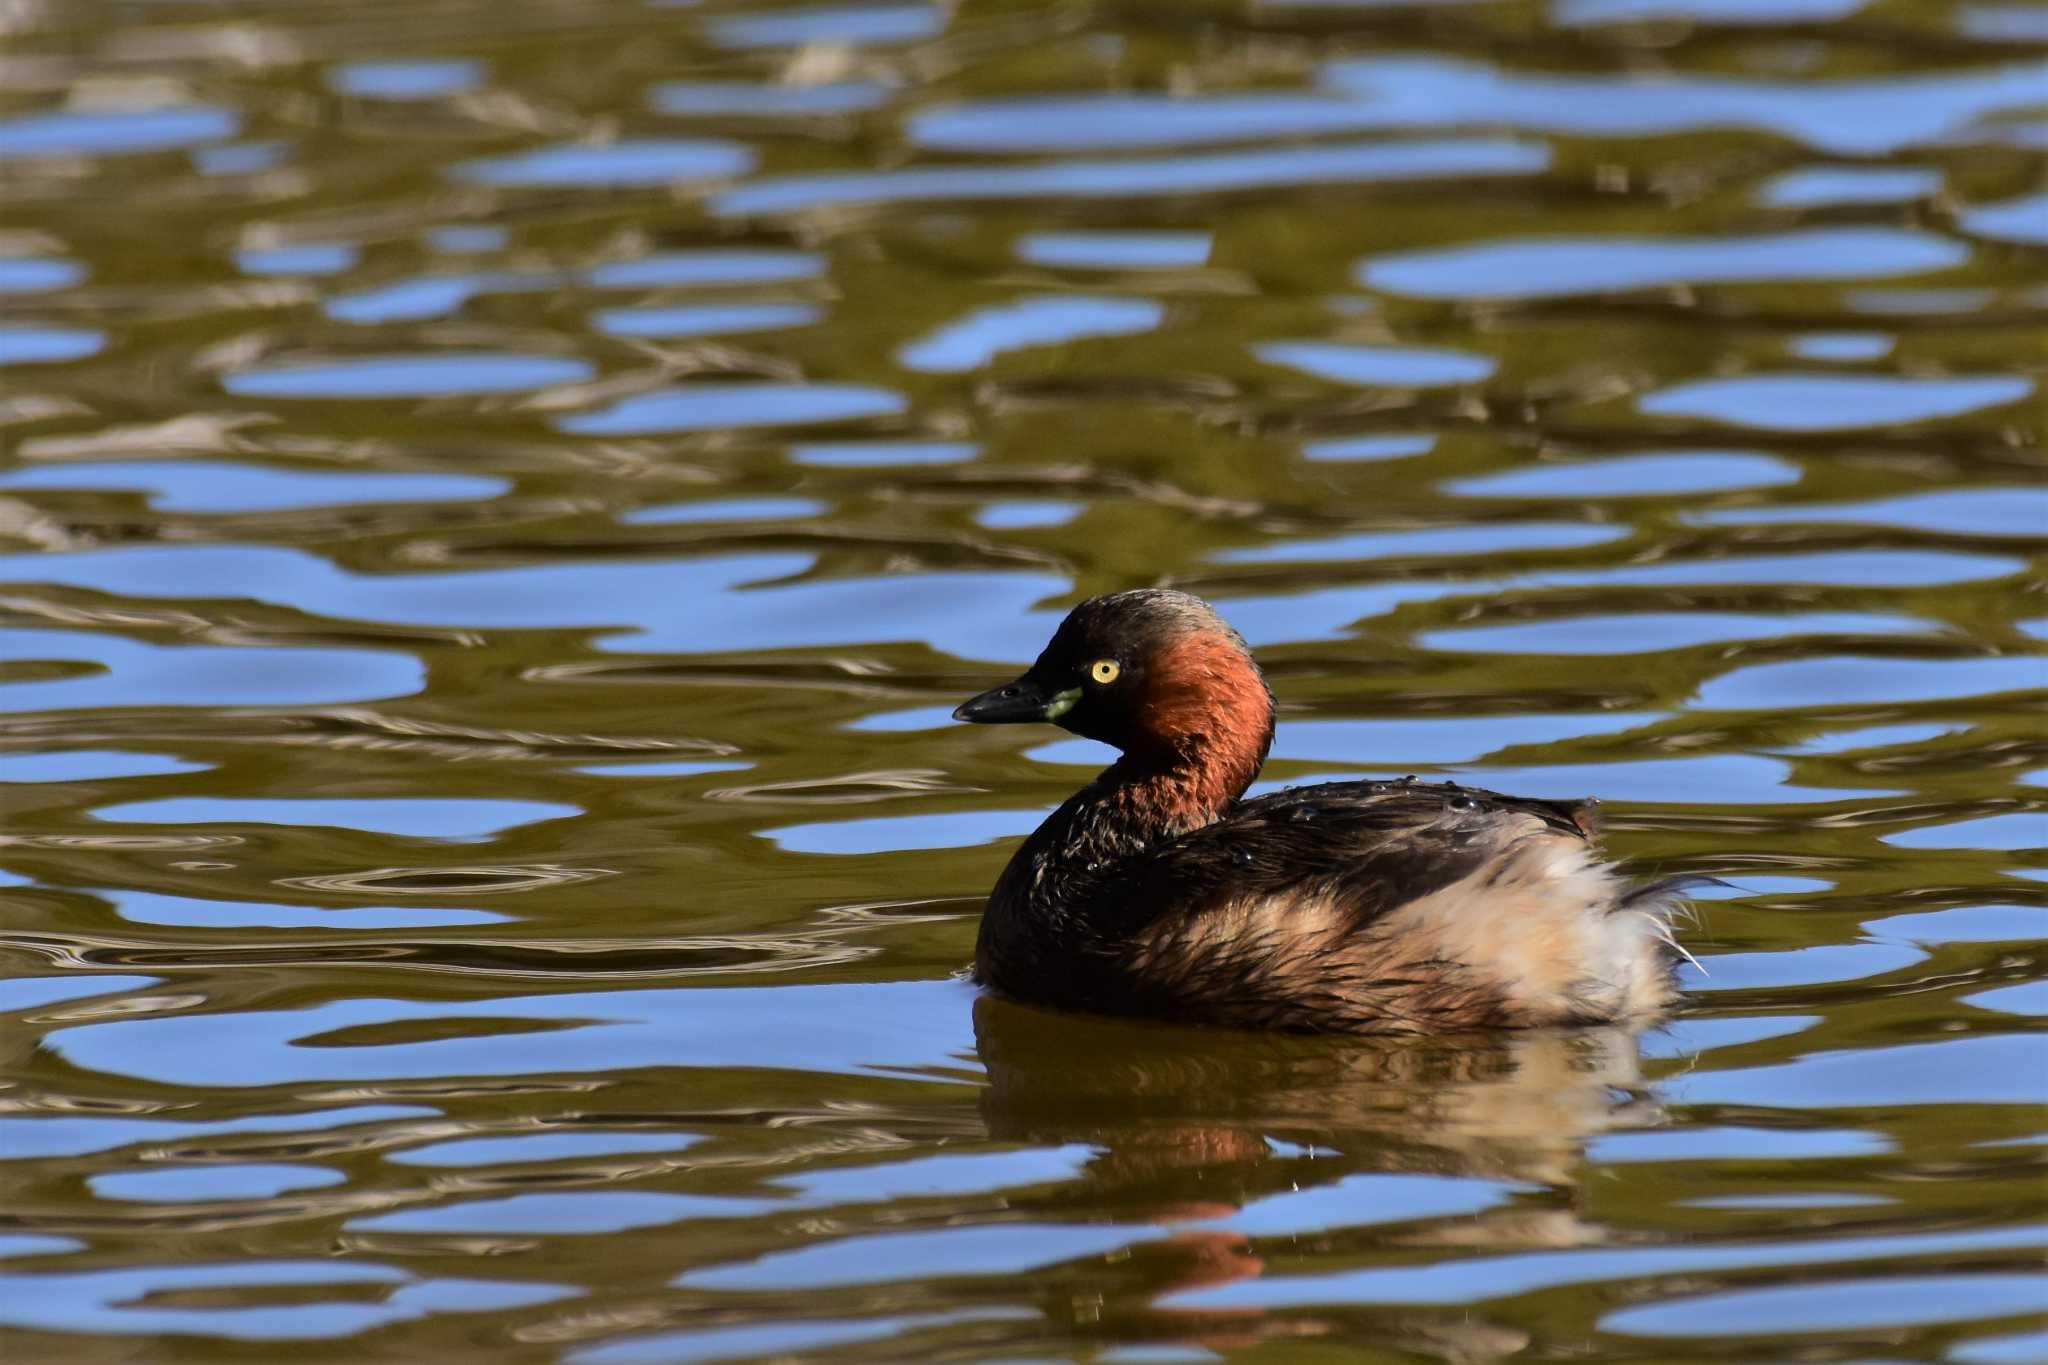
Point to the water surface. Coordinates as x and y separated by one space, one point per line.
497 502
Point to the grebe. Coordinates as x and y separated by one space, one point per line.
1370 907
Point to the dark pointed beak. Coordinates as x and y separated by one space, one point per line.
1026 699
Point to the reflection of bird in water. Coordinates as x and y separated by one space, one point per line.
1192 1125
1390 907
1161 1100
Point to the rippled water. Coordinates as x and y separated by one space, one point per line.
500 499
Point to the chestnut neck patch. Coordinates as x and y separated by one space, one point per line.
1204 723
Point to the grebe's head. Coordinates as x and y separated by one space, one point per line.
1156 673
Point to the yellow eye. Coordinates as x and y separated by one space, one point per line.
1104 670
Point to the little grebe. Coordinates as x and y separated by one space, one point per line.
1386 907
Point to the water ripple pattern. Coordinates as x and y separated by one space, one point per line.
499 500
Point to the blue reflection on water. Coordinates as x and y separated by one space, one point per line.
2017 830
1388 447
945 1252
520 1148
239 158
1789 1200
408 79
703 407
89 765
1826 568
725 509
1416 739
111 131
1654 632
1547 267
210 486
1916 302
1832 402
865 1028
197 1184
879 454
1869 1303
1964 924
38 274
2013 220
904 721
1866 116
850 25
1988 1068
925 1177
1108 121
1814 186
1845 680
1503 537
895 833
424 374
2005 1348
1122 178
35 1244
1042 320
1752 885
1023 516
1842 346
25 1137
643 161
2010 23
1707 11
676 769
130 1300
1665 474
685 604
2022 997
34 992
1868 737
1691 1035
772 1338
134 673
684 320
1477 1279
711 266
1347 363
1365 1199
1987 511
412 817
619 1210
151 907
1733 1143
1702 779
308 258
26 345
420 297
1809 966
1332 612
462 237
572 1213
1115 250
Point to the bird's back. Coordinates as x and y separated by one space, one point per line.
1376 906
